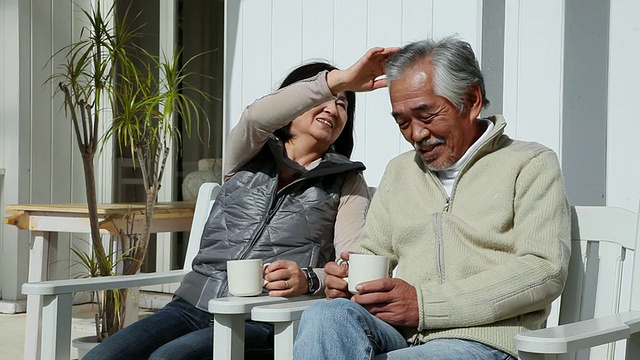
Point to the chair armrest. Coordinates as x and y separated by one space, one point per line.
243 305
55 287
579 335
282 312
229 315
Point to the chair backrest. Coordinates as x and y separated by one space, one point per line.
601 269
206 196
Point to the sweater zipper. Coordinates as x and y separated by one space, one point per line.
267 219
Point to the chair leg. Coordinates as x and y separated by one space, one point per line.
56 336
633 346
228 336
284 335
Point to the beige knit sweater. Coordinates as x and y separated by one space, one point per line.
486 262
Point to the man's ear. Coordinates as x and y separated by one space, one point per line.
473 102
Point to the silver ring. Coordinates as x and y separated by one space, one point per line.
286 284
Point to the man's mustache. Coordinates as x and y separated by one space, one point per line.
428 142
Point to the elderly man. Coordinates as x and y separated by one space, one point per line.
476 224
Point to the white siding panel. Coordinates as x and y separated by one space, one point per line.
287 39
41 104
417 20
350 39
511 66
78 194
63 144
234 53
63 140
14 246
317 29
623 172
461 17
539 70
257 42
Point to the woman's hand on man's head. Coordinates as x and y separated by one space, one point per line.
364 74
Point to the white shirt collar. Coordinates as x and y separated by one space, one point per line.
452 171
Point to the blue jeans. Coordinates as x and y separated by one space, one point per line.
342 329
178 331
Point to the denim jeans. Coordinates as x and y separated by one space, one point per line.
177 331
342 329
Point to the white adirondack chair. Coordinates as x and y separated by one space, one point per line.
593 303
57 294
600 304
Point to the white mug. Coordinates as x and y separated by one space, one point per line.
245 277
366 267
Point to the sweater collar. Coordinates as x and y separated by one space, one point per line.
453 170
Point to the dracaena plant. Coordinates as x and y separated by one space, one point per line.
105 70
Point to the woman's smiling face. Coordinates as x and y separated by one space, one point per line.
324 123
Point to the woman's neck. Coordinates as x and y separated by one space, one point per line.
303 155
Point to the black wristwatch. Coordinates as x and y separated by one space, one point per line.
314 282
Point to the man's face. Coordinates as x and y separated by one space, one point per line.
432 124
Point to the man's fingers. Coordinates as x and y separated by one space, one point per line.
336 270
334 293
376 286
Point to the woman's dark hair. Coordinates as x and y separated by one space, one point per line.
344 143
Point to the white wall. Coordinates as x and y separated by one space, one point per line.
268 38
623 147
532 72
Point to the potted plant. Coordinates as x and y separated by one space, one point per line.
103 70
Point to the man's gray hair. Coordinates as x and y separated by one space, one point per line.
454 64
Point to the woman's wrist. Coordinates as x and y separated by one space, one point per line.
335 81
312 280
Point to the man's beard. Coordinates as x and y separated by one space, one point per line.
429 144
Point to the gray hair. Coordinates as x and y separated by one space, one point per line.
454 64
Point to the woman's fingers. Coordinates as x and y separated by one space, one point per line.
285 278
364 74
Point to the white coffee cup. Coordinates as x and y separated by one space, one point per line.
245 277
366 267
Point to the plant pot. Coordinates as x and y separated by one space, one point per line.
84 344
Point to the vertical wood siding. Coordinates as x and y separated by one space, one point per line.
268 38
623 147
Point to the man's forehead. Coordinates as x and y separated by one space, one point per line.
410 94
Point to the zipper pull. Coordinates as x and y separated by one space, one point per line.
446 205
416 340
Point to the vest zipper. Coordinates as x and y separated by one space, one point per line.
267 219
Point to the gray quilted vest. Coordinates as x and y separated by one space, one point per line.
251 219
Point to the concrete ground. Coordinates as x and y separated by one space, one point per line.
12 329
12 326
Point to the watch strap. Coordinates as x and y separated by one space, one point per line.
312 277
